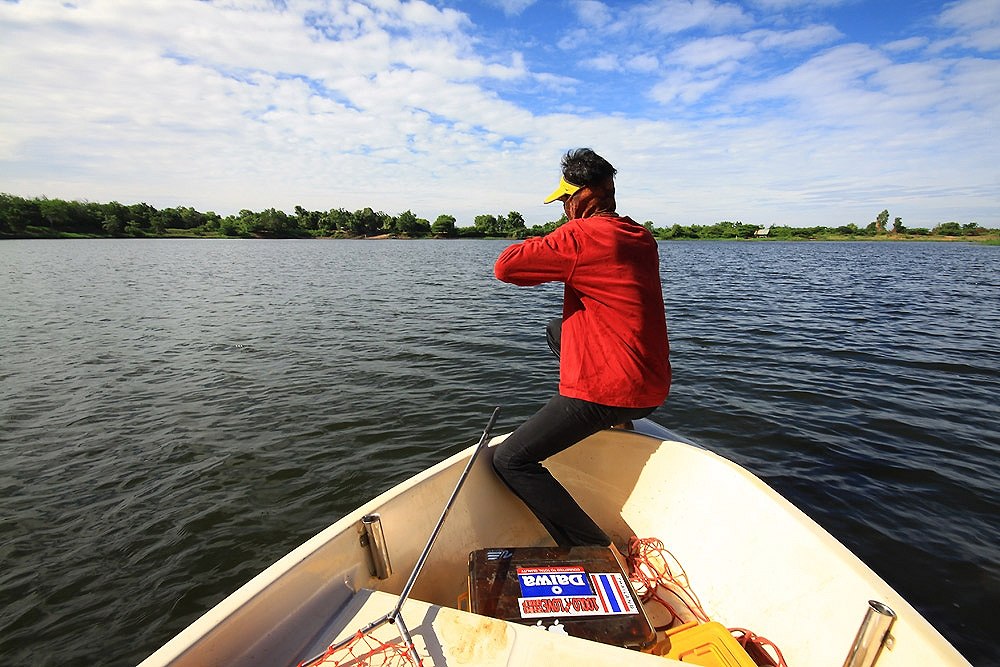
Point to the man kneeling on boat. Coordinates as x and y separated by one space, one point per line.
613 352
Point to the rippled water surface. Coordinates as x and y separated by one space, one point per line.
175 415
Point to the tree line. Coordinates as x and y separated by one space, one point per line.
878 228
21 217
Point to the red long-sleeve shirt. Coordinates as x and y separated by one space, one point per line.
614 348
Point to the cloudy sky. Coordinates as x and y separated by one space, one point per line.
788 112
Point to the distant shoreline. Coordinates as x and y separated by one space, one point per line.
40 218
992 237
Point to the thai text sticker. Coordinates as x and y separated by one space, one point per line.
570 591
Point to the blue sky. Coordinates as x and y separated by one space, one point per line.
788 112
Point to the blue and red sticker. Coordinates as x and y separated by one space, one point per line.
570 591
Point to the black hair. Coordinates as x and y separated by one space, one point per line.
584 167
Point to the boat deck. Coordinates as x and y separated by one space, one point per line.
445 636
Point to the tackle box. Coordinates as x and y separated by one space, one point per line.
579 591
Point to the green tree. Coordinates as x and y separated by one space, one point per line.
513 225
678 231
307 219
157 223
548 227
210 221
388 224
487 225
190 218
720 230
269 222
897 226
385 223
116 217
140 218
881 221
444 225
337 220
113 226
406 223
365 222
170 218
277 223
948 229
56 213
17 214
230 226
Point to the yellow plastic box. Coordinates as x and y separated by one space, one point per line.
708 645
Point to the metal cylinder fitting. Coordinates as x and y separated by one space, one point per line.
378 551
872 635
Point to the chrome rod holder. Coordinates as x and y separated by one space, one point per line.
374 540
872 636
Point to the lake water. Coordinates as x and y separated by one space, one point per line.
175 415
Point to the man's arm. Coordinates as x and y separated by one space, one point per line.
538 260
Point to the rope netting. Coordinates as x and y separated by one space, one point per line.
364 650
657 576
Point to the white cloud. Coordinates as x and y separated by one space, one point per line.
685 87
250 98
643 63
592 13
659 16
607 62
853 124
704 66
674 16
801 38
702 53
907 44
784 5
834 89
512 7
976 21
971 14
421 15
400 105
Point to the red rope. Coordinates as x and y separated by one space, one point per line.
659 577
360 651
756 647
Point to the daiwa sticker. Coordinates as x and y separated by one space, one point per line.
570 591
564 580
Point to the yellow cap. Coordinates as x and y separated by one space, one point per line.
565 188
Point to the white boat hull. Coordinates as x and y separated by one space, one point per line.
754 560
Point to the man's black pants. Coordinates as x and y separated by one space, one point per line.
560 424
